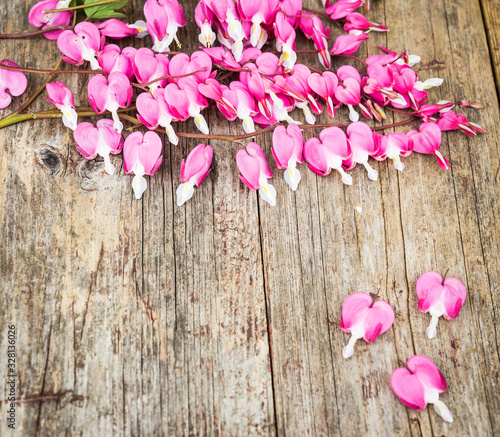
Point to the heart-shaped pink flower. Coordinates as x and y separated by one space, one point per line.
439 297
420 384
365 319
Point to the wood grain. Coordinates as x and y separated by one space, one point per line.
221 317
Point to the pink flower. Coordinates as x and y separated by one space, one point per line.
288 144
142 156
163 19
441 107
255 172
420 385
439 297
363 318
363 146
12 83
100 140
154 111
194 171
348 44
329 152
148 67
451 121
117 29
62 97
342 8
82 44
110 93
325 85
298 88
183 64
258 12
204 18
428 141
357 21
222 57
349 93
312 27
392 146
112 58
37 18
285 41
239 95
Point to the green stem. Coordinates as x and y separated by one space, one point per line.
82 111
91 5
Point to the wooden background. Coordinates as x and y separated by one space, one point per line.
221 317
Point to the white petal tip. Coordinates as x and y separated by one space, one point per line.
347 352
431 333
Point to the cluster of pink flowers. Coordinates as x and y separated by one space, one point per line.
421 382
260 87
268 87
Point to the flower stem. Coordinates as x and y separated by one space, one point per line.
82 111
35 33
90 5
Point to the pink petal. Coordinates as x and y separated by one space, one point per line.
427 373
87 139
354 309
408 388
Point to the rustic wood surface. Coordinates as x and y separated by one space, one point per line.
221 317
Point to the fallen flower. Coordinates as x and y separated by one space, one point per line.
363 318
420 384
439 297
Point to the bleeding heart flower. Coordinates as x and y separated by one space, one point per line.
392 146
357 21
328 153
342 8
38 18
363 318
325 85
142 156
100 140
363 146
82 44
428 141
420 384
163 18
312 28
349 93
148 67
194 171
288 144
154 111
117 29
439 297
285 41
110 93
255 172
62 97
348 44
12 83
112 58
204 18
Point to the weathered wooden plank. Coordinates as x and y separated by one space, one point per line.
137 330
491 17
141 318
